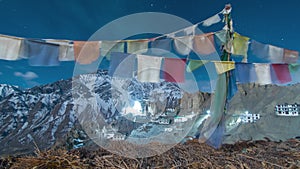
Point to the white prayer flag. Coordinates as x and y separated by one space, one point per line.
183 45
263 73
10 47
212 20
190 30
149 68
275 54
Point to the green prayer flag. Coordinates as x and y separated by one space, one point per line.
294 67
195 64
221 35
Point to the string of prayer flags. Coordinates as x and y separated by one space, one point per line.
282 73
195 64
174 69
183 45
86 52
240 45
290 56
66 50
122 65
148 68
212 20
10 47
224 66
204 44
41 53
137 46
263 73
264 53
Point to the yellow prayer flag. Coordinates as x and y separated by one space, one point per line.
240 45
224 66
137 47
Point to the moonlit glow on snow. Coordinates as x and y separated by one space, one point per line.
135 110
137 106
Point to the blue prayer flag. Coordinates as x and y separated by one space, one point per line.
245 73
160 47
122 65
41 53
232 87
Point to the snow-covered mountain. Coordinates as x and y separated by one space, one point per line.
37 115
49 115
6 90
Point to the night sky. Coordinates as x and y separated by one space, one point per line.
267 21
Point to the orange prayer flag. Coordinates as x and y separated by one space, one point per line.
85 52
204 44
290 56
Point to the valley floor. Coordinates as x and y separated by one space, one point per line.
260 154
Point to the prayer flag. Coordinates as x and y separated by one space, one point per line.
183 45
295 71
290 56
149 68
111 46
137 47
122 65
240 45
221 35
232 87
282 73
174 69
190 30
224 66
10 47
204 44
66 51
86 52
212 20
161 46
260 52
245 73
41 53
195 64
275 54
263 73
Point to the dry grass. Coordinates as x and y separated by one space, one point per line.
191 155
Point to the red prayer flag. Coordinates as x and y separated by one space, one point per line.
282 73
174 69
85 52
290 56
204 44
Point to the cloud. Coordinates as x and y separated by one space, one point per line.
8 67
27 75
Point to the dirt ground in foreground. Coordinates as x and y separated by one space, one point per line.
261 154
